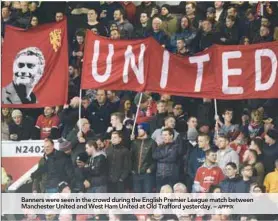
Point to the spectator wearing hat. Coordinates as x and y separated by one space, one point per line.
225 154
167 163
47 125
270 150
21 128
97 170
79 136
119 163
54 167
143 165
117 125
169 22
271 180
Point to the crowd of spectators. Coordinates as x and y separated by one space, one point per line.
179 143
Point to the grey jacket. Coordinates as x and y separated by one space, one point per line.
226 156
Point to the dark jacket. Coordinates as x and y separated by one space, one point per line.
98 169
204 40
160 37
22 19
229 185
181 125
24 130
205 113
196 158
143 32
53 169
231 35
126 136
100 116
78 147
157 121
80 175
259 39
243 186
167 156
69 118
144 8
141 155
187 34
253 28
270 154
119 163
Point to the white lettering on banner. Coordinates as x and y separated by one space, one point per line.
26 148
200 69
226 72
259 86
130 58
165 69
102 78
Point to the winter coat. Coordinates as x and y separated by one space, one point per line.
226 156
53 169
157 121
119 163
166 157
24 130
157 135
181 123
231 35
100 116
78 147
243 186
141 155
204 40
259 39
187 34
98 169
229 185
270 154
253 28
196 159
169 24
143 32
69 118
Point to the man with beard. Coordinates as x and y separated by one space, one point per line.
28 68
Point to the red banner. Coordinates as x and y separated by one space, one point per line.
35 66
222 72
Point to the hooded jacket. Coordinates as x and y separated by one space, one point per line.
119 163
225 156
166 157
98 169
141 155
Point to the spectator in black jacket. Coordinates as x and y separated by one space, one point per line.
23 16
21 128
79 136
80 173
6 18
143 29
97 169
159 35
229 34
145 7
158 120
54 167
181 117
263 36
100 112
254 23
119 163
167 155
143 165
270 150
93 24
117 125
229 184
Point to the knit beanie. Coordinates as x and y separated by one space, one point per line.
16 113
192 134
145 127
167 7
83 157
64 145
62 185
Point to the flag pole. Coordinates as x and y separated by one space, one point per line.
137 112
79 109
215 112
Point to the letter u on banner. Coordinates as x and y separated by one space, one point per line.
130 58
102 78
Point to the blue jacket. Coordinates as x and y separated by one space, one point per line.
229 185
196 159
243 186
160 37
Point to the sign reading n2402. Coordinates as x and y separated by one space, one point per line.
28 149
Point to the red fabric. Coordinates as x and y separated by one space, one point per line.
46 124
240 149
52 88
208 176
130 9
182 74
